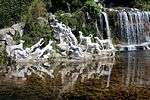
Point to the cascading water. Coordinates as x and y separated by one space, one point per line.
104 26
98 31
134 27
107 25
130 26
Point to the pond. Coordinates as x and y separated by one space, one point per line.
127 76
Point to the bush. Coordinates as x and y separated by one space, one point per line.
34 29
142 4
78 21
92 7
11 11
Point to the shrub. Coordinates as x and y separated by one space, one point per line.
34 29
11 11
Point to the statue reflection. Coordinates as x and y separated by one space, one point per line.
70 72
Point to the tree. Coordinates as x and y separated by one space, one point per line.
11 11
33 30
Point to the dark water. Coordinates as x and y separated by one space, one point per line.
127 76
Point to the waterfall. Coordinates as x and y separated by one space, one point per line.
134 27
101 29
130 26
107 25
104 25
98 31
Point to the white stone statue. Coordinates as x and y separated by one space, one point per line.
75 51
84 40
105 44
37 45
47 48
65 30
68 44
10 49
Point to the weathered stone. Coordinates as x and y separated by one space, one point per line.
19 28
8 33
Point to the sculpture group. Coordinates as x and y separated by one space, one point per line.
66 44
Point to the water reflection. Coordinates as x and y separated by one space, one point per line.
106 77
134 65
136 68
70 72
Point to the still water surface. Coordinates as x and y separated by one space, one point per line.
127 76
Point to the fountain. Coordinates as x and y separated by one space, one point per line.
67 44
132 25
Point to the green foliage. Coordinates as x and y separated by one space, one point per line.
34 29
75 20
2 53
78 21
142 4
92 7
36 9
11 11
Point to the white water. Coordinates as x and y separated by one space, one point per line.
134 27
131 26
107 25
103 18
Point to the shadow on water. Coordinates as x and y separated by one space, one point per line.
123 77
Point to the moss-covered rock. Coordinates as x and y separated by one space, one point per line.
2 53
